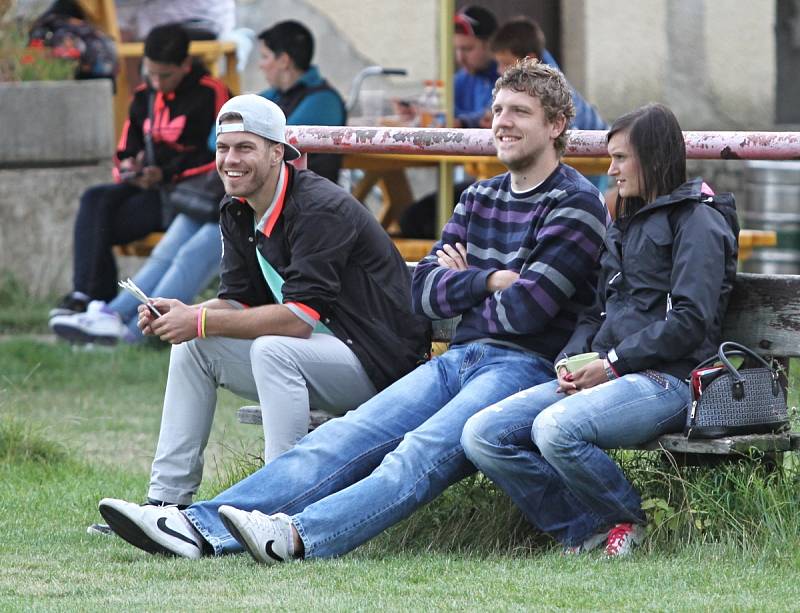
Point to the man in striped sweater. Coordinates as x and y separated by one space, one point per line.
516 262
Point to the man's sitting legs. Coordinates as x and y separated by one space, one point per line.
339 480
279 372
294 374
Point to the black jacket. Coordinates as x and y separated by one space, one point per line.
667 273
334 257
182 122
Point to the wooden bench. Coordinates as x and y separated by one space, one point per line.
412 249
141 248
764 314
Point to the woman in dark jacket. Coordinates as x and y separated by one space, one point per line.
668 267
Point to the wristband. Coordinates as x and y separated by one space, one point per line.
200 322
609 370
203 322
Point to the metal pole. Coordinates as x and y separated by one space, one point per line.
582 143
444 204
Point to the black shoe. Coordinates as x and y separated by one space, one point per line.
100 529
74 302
160 503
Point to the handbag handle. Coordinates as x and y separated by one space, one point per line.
737 349
738 379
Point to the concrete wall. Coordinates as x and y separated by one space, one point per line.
711 61
55 122
37 213
352 34
57 141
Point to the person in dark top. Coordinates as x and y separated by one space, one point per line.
298 88
473 28
667 269
185 100
313 309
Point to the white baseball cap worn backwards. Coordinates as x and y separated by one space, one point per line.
259 116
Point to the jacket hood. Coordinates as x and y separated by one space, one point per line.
691 190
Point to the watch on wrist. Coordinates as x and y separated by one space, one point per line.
609 371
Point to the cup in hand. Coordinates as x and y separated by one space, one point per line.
575 362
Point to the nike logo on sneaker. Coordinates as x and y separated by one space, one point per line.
162 525
271 553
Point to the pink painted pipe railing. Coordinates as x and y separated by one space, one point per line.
582 143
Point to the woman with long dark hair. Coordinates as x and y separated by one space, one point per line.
667 269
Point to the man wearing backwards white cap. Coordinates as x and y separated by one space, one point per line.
314 304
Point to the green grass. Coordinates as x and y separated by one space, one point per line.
18 312
76 426
49 563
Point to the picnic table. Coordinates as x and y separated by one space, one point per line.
103 14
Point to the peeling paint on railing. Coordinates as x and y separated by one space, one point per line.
582 143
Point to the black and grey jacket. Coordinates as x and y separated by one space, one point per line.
667 273
335 259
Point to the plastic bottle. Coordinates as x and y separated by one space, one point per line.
432 113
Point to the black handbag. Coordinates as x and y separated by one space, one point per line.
729 401
197 197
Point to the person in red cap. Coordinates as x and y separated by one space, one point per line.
473 83
472 97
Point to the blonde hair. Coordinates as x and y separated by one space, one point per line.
538 80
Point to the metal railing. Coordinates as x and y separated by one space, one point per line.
706 145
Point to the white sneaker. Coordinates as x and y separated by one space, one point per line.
593 542
267 537
98 324
151 528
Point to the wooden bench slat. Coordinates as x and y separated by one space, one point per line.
252 415
764 314
141 248
674 443
678 443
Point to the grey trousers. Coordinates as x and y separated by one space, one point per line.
284 375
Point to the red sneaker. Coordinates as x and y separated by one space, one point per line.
622 538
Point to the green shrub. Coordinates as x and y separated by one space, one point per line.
20 442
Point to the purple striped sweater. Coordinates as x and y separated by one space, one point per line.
551 235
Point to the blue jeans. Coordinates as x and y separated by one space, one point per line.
357 475
181 266
545 450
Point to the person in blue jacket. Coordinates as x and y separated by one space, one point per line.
297 87
473 27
